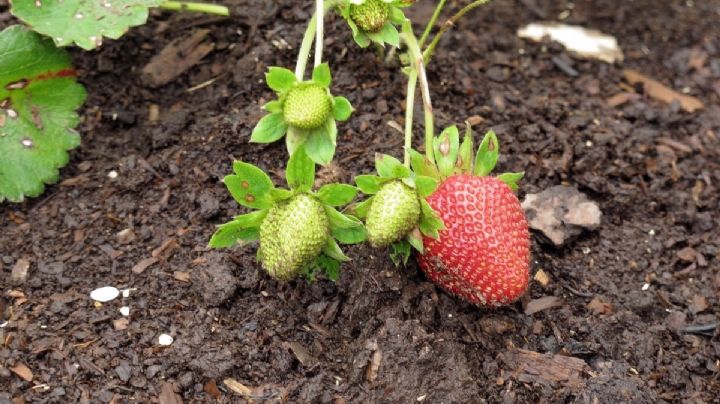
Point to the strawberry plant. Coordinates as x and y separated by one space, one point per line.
39 93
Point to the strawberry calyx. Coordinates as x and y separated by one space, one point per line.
450 157
374 20
396 213
305 113
299 229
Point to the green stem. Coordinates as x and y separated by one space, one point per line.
196 7
431 23
320 11
418 66
449 24
409 110
307 42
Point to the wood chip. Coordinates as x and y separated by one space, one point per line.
211 389
20 271
182 276
599 306
621 98
168 395
543 303
22 371
660 92
532 367
141 266
374 366
300 352
166 249
542 277
121 324
238 387
699 304
176 58
687 254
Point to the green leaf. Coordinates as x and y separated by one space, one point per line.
346 229
337 194
415 240
80 21
511 179
321 75
369 184
361 209
250 186
446 150
390 167
270 128
396 16
300 172
329 266
332 250
465 158
280 79
294 138
430 222
425 185
38 99
400 252
320 145
342 109
422 166
273 106
487 154
243 228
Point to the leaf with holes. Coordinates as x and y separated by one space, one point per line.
83 22
38 99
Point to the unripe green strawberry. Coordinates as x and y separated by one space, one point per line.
307 106
394 212
293 234
370 16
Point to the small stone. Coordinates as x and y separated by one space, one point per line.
165 340
20 271
105 294
125 311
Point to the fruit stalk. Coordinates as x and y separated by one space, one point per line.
197 7
431 23
418 66
449 24
320 12
409 109
307 41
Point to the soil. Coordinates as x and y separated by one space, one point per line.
633 307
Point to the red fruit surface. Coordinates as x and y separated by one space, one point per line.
483 255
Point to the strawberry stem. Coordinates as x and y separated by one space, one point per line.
409 109
449 24
320 12
431 23
196 7
307 41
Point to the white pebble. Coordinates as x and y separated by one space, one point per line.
104 294
125 311
113 174
646 286
165 340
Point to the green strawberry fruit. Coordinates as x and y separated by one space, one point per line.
307 106
292 235
394 212
370 16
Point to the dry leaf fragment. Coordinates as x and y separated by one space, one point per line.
22 371
141 266
660 92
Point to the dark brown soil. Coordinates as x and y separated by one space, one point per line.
653 168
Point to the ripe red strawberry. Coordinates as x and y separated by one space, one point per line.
483 255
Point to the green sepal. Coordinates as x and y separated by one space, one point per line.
446 150
360 209
329 266
396 15
511 179
280 194
294 138
300 171
332 250
345 228
269 129
320 143
389 167
430 222
415 240
249 186
274 106
425 186
422 166
243 228
342 109
280 79
387 35
337 194
400 252
465 157
321 75
369 184
487 154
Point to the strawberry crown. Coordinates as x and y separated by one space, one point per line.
318 132
253 189
450 157
371 13
391 169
